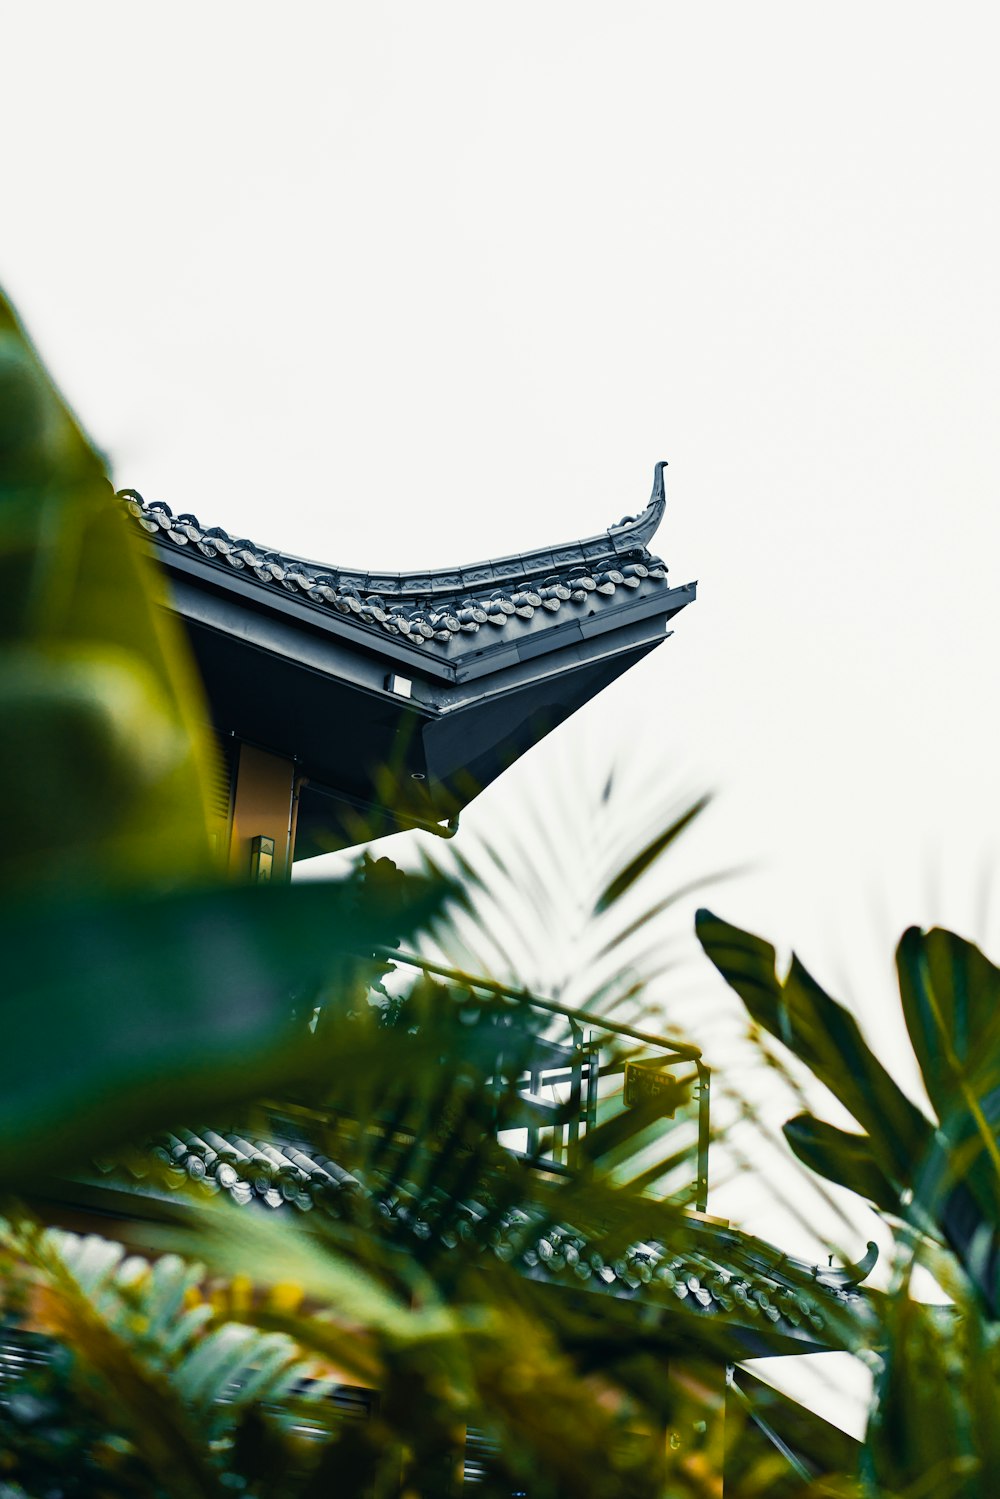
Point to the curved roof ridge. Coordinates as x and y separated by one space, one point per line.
628 539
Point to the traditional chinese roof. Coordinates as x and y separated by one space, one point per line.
445 606
400 696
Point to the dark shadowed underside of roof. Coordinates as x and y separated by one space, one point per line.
444 678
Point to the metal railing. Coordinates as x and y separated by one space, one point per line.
581 1071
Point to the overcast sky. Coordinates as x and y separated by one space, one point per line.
400 285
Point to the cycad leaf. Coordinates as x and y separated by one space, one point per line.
184 1330
277 1367
204 1374
237 1364
618 1137
163 1293
90 1260
113 1365
664 904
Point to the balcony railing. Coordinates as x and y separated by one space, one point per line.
580 1071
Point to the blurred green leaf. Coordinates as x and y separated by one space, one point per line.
104 763
927 1436
119 1013
173 1403
637 866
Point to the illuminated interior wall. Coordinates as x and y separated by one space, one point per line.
263 806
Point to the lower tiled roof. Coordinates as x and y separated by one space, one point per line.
779 1295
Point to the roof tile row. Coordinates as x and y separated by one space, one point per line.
289 1177
439 616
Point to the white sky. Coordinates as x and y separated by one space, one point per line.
398 285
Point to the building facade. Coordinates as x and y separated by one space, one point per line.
348 704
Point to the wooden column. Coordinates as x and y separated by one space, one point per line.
264 787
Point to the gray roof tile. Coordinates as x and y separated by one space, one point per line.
288 1177
434 607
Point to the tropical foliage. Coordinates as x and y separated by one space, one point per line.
130 1383
142 990
933 1429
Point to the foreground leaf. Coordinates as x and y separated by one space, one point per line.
826 1037
120 1013
841 1157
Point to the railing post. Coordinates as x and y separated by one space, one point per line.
704 1089
575 1098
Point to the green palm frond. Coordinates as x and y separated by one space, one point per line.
568 895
